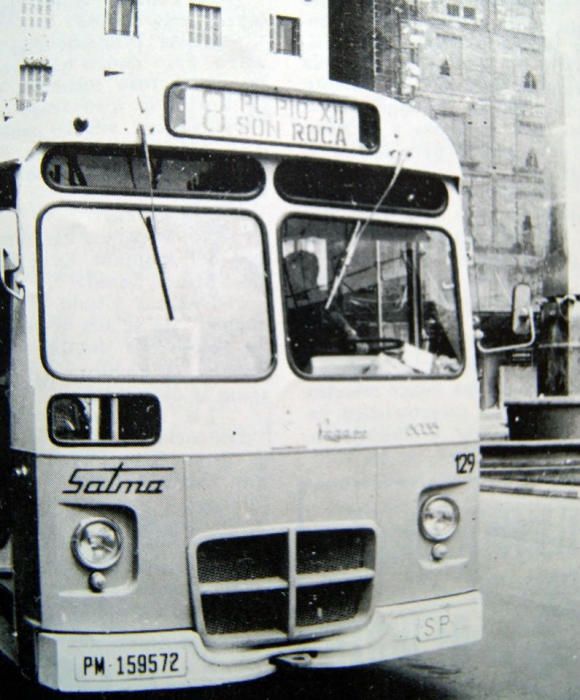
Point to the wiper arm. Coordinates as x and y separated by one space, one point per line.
359 229
151 227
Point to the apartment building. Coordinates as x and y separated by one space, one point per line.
76 43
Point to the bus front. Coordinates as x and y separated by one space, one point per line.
242 391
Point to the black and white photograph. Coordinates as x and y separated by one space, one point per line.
289 350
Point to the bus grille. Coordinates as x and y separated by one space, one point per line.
282 586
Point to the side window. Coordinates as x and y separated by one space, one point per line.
4 338
7 201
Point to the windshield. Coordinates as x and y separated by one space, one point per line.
394 313
105 314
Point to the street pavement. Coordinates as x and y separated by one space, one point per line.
530 580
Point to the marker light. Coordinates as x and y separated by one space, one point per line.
438 518
97 544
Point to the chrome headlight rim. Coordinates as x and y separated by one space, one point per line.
454 523
77 539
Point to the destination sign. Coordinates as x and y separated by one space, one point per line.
265 118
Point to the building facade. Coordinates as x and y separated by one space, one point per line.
75 43
477 68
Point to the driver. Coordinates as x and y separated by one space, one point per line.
312 329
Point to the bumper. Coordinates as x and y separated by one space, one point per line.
178 659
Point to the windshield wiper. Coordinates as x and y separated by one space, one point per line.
151 226
359 229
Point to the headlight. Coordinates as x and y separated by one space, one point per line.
97 544
438 518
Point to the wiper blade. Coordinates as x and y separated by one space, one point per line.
152 227
359 229
149 223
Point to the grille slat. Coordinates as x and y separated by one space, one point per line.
246 588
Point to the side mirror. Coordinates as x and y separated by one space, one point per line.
9 250
521 309
522 322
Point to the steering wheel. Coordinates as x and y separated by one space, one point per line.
384 344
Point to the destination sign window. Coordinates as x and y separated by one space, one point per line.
359 186
263 118
124 169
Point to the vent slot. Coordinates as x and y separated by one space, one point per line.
320 605
332 551
106 419
242 558
278 587
240 613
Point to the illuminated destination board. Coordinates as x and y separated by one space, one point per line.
265 118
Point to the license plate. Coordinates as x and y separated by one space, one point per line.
434 625
135 663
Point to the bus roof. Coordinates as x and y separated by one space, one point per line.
115 109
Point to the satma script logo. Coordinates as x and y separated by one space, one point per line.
120 479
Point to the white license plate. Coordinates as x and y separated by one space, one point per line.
434 625
134 663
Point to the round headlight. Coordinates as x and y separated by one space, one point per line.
97 543
438 518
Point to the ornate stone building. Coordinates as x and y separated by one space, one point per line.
477 68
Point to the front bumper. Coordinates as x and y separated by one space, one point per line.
178 659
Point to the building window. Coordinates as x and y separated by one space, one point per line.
121 17
34 81
532 160
445 68
36 14
527 244
285 35
205 25
530 82
459 10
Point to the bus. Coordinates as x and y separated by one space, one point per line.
239 395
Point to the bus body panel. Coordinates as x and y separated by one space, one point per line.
287 501
91 663
166 507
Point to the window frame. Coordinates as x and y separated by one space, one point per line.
31 18
530 81
115 18
461 12
119 206
117 150
35 77
277 41
343 216
205 21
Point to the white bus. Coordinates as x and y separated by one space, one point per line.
239 395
